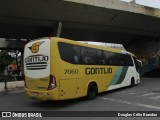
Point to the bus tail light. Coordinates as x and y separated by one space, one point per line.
52 82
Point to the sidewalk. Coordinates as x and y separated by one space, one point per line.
14 87
12 91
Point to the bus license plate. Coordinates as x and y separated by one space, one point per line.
35 93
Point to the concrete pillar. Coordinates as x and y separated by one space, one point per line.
59 29
22 67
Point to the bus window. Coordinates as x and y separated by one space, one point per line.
106 55
129 61
100 59
122 60
113 58
77 54
66 52
89 56
70 53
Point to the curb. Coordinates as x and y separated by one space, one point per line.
8 92
14 87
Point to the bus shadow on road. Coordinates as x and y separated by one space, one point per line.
58 105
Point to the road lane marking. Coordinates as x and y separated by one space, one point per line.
130 94
125 93
132 103
156 97
120 92
148 94
138 96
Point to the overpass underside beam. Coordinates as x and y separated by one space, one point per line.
12 44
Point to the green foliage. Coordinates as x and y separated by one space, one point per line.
5 60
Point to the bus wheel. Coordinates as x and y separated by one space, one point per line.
132 82
92 91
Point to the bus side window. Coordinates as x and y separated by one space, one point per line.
76 54
125 60
112 58
115 59
84 58
122 60
66 52
100 58
129 61
106 55
89 56
70 53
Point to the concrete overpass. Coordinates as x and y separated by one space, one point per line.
114 21
88 20
96 20
12 44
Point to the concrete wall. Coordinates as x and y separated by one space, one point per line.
12 44
2 87
17 21
119 5
146 49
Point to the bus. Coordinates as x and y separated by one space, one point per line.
60 69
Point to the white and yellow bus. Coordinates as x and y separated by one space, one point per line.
59 69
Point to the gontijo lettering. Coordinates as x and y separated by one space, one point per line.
91 71
36 58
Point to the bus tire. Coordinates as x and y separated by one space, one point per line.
132 82
92 91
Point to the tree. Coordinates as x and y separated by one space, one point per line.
5 60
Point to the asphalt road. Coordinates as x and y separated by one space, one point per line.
143 97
